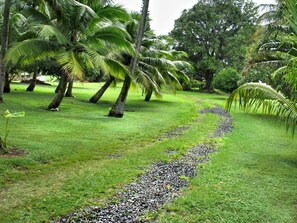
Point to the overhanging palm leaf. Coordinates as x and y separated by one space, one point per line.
47 32
260 95
70 63
113 37
30 48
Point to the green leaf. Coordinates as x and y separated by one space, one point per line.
259 95
7 114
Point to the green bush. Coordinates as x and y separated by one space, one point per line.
226 80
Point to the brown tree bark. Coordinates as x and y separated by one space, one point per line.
6 83
208 81
4 44
60 95
69 89
33 81
148 95
96 97
118 109
58 86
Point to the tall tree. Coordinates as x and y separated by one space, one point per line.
260 95
215 33
4 44
118 109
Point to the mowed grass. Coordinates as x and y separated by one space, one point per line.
79 156
253 178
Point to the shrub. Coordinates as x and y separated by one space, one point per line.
226 80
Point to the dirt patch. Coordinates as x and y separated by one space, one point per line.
175 132
13 152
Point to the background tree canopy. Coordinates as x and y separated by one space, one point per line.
215 34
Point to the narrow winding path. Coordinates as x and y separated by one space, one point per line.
160 184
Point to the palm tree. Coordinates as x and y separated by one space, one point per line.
157 65
4 44
118 108
161 66
260 95
76 39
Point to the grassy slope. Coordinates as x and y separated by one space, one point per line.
72 160
252 178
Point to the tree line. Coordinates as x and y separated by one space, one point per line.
217 43
75 39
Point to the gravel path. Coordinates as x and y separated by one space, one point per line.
162 183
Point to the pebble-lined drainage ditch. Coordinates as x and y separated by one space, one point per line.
160 184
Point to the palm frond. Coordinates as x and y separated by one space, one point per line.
260 95
113 37
159 62
36 16
47 32
70 63
178 55
116 69
143 78
182 65
97 59
291 14
29 48
113 13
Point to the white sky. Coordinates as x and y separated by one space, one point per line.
164 12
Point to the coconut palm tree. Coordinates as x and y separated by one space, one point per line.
157 65
76 37
260 95
118 108
160 66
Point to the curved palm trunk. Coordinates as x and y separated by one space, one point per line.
69 89
118 109
60 95
96 97
148 95
58 86
4 41
33 81
6 83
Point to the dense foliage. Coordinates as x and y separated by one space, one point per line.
88 40
276 50
227 79
215 34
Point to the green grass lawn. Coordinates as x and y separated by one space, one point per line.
79 157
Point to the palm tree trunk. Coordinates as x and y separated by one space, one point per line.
58 86
118 109
4 41
6 83
96 97
145 6
148 95
60 95
69 89
33 81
